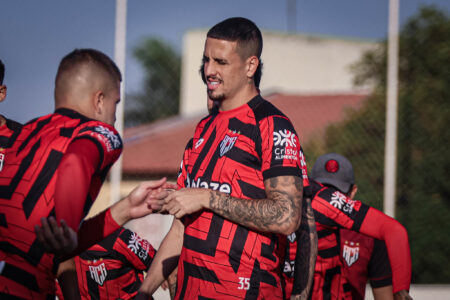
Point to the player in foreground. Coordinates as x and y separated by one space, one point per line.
241 183
54 169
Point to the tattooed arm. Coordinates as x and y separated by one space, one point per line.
279 212
305 259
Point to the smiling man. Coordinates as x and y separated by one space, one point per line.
240 184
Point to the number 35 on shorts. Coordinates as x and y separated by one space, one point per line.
244 283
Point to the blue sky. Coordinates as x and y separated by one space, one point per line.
35 35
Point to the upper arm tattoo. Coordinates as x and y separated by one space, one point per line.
281 207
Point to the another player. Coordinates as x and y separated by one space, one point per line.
365 258
55 168
332 183
241 183
114 268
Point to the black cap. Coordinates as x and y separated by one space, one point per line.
334 169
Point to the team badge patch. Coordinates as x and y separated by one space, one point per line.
226 144
98 273
350 253
284 145
111 139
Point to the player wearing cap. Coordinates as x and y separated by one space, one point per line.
332 184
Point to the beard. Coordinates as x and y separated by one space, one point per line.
215 98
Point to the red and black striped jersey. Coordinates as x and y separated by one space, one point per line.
27 186
114 268
364 258
332 210
234 152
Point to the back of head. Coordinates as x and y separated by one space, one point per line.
2 72
81 69
240 30
335 170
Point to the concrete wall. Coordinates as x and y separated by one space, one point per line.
293 63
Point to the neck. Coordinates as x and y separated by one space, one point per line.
2 120
238 100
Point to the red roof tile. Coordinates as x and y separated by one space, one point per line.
157 148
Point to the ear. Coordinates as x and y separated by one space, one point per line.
252 65
353 191
2 92
99 102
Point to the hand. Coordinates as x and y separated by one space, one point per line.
143 199
402 295
61 240
186 201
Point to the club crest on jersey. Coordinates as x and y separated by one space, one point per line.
111 140
98 273
350 253
226 144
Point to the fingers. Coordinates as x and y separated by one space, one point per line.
50 234
170 185
154 184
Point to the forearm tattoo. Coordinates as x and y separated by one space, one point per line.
280 208
305 260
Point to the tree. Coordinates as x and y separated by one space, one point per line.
423 192
161 90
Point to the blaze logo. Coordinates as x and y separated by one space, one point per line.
341 202
350 253
284 138
215 186
98 273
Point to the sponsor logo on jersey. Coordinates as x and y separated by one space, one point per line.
285 143
289 268
199 142
350 253
212 185
139 246
109 138
342 202
98 273
226 144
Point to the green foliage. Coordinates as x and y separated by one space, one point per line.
423 193
161 89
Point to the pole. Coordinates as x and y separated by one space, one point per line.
119 58
390 164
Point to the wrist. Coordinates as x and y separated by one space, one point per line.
120 211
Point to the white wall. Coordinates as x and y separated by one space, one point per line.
293 63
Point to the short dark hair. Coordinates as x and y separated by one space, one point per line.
2 71
80 56
240 30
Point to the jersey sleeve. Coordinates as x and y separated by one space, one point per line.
182 173
74 178
335 210
281 153
137 251
379 269
107 140
383 227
